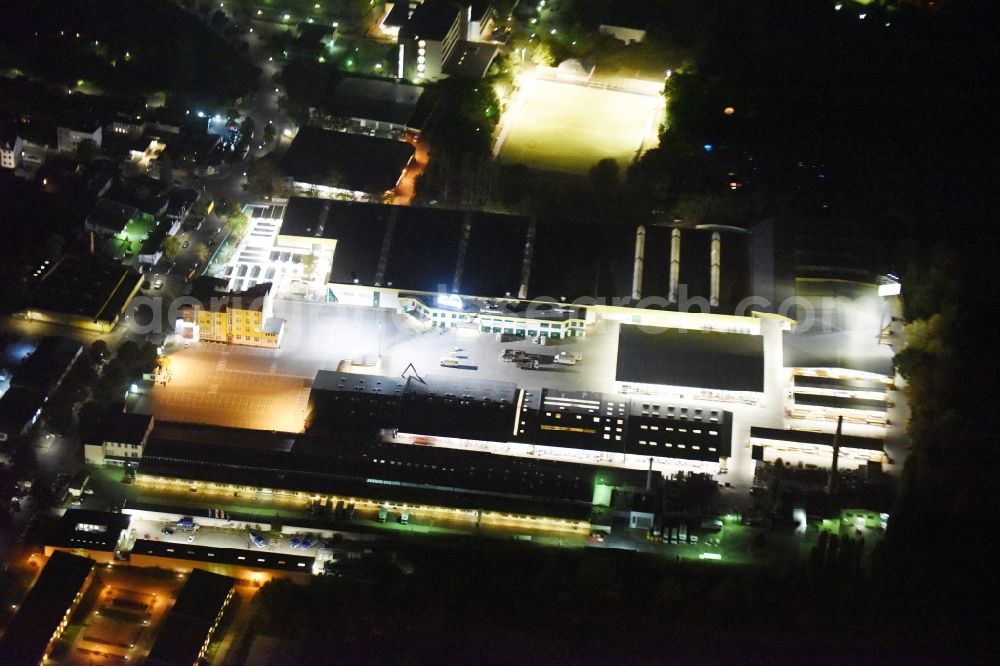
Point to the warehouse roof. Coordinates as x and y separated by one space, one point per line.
376 470
92 530
431 20
375 99
360 163
694 358
86 287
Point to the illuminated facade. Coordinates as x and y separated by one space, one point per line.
233 317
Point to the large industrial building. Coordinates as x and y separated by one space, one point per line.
339 163
84 293
501 417
712 360
367 470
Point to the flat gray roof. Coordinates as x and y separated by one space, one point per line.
694 358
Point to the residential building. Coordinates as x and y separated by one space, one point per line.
45 612
11 146
71 135
119 440
428 38
234 317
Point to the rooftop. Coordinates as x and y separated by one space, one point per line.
375 99
355 162
470 60
213 294
44 368
491 264
693 358
28 634
18 406
257 559
86 287
329 380
431 20
817 438
191 619
111 216
91 530
124 428
372 469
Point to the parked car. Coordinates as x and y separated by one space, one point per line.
167 530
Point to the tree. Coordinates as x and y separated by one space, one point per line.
86 151
269 134
202 253
218 20
238 222
171 247
99 351
309 264
260 178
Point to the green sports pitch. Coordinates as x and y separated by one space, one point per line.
568 127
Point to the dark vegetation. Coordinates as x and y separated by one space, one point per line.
125 47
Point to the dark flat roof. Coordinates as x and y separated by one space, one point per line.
86 287
398 15
349 382
93 530
470 60
490 266
574 259
424 251
366 164
125 428
30 630
111 215
251 558
18 406
192 616
373 469
699 359
820 438
205 289
431 20
470 388
47 364
494 255
375 99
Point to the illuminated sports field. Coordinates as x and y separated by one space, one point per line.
567 127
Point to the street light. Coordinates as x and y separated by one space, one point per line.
380 342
